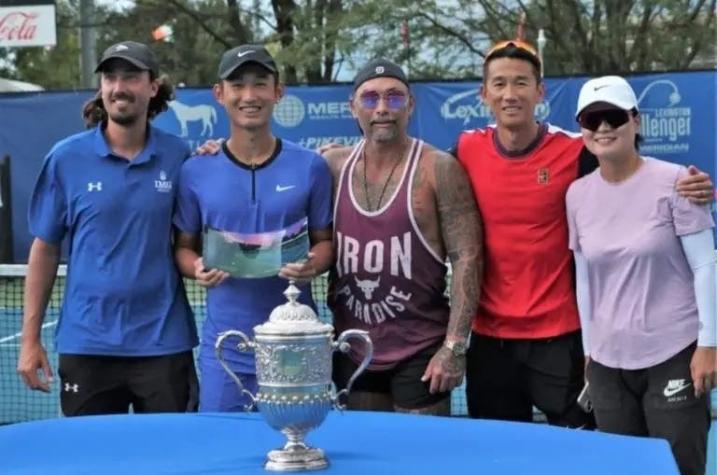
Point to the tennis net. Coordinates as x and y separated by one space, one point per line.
18 403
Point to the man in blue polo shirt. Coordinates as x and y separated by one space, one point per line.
126 331
257 183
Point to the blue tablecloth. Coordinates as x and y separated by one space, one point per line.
355 442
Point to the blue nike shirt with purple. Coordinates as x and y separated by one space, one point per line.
219 192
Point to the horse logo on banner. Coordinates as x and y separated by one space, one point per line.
186 113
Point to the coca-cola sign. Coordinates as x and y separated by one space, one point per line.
31 25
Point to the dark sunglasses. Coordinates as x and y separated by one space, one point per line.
395 100
614 117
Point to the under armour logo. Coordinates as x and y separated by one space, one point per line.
72 388
121 48
97 186
367 286
380 69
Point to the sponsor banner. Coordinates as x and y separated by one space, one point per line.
445 109
666 118
677 113
27 25
309 116
314 116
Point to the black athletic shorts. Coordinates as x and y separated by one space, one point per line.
402 382
506 378
93 385
658 402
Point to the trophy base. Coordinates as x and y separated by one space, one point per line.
281 460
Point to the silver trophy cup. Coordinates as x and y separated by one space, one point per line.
293 371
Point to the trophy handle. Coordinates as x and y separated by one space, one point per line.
244 345
343 346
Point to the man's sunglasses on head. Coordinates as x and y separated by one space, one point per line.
520 44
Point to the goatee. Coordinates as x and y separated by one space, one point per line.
124 120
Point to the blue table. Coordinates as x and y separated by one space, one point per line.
355 442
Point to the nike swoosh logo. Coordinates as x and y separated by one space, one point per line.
668 392
280 188
242 53
597 88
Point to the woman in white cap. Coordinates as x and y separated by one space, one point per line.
645 278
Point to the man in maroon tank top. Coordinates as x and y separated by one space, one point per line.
401 208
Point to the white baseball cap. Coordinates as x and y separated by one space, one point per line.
610 89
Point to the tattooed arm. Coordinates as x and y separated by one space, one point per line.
461 231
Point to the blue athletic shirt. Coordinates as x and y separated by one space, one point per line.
220 192
123 294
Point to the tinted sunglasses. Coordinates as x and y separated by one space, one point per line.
394 100
520 44
614 117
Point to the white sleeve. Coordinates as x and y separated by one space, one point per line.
700 253
582 293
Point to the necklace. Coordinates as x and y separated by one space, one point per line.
385 185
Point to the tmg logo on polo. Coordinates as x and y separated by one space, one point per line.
665 125
163 185
291 111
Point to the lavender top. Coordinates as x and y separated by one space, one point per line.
643 308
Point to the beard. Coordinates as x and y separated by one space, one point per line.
125 115
385 135
123 118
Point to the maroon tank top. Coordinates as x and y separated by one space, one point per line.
386 280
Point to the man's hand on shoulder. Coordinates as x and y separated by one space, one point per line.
335 156
323 149
210 147
696 186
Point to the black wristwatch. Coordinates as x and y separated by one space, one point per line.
458 348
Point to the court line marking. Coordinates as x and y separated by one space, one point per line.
4 340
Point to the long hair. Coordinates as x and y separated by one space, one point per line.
94 113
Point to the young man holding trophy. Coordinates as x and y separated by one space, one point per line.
261 208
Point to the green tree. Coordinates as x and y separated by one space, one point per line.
608 36
314 40
308 34
202 30
431 38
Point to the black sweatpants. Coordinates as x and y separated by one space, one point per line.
658 402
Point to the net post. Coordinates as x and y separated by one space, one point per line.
6 244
